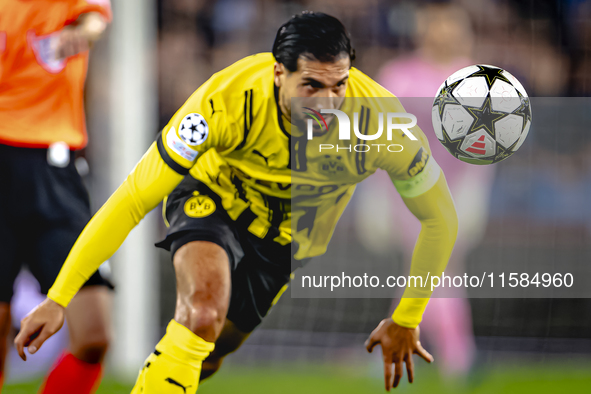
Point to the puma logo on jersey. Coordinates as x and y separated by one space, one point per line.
174 382
213 111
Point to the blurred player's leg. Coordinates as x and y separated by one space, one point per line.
4 330
449 325
9 264
89 323
229 341
203 294
79 369
60 218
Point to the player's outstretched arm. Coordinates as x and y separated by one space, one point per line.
428 198
150 181
439 228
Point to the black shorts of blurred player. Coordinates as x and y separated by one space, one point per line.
43 209
227 278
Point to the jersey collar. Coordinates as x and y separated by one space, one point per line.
284 125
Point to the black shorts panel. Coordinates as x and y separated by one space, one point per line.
260 267
255 285
216 227
43 209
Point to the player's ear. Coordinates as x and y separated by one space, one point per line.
278 74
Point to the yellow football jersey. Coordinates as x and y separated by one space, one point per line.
230 134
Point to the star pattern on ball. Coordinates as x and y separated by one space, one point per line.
472 123
491 74
502 153
485 117
445 97
524 110
450 145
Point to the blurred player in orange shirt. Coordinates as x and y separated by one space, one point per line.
43 203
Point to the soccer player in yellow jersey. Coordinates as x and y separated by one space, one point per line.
225 162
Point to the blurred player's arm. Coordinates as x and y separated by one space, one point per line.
420 182
427 196
422 185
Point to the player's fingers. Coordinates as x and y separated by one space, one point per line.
36 343
70 44
398 372
84 43
423 353
23 338
410 368
388 377
64 41
75 46
371 342
65 49
19 345
81 44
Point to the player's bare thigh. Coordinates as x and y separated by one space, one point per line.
203 288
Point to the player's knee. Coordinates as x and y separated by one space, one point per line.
93 348
92 353
205 321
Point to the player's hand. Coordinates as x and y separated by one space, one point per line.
38 326
72 41
398 345
78 37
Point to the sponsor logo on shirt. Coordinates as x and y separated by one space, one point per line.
44 48
418 163
180 147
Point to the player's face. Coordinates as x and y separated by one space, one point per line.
313 79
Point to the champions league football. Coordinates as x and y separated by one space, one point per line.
481 114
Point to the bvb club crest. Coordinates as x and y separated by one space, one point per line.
331 164
199 206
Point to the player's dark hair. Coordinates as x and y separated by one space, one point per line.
313 35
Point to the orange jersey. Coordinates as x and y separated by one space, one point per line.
41 98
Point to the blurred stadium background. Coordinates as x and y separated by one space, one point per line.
157 53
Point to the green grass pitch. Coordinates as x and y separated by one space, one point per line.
320 379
